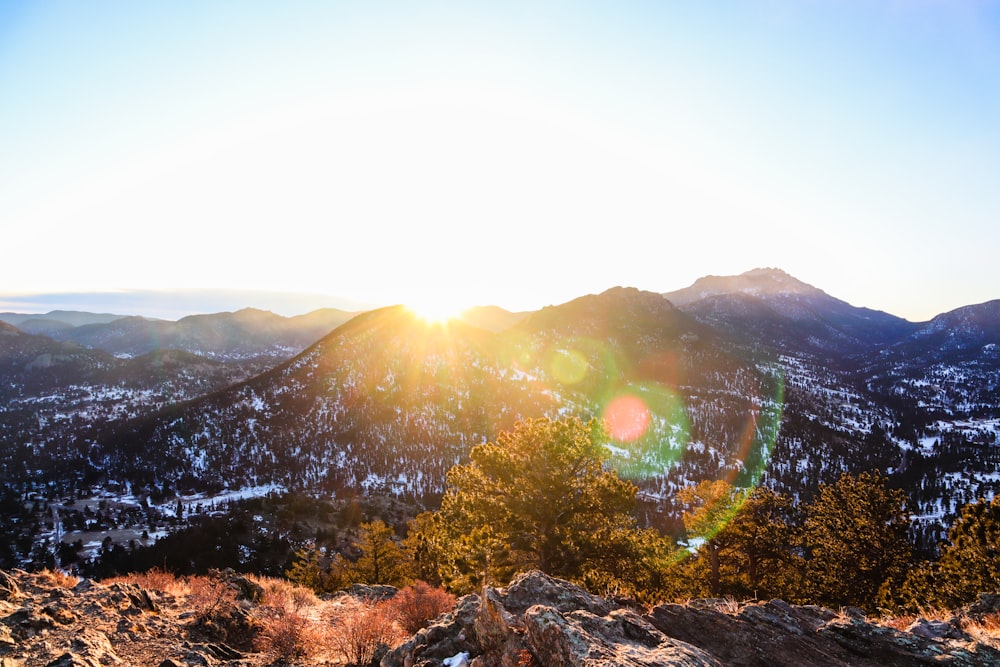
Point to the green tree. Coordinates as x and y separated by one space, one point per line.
969 563
711 506
307 570
315 570
383 560
423 548
855 533
745 540
538 497
764 537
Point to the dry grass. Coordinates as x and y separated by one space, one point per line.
156 580
900 623
906 620
59 579
728 605
985 629
282 594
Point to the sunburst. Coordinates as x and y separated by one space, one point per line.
436 311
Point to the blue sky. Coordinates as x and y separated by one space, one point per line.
513 153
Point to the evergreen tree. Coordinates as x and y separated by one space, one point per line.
306 569
423 549
538 498
764 536
745 541
855 534
969 562
711 505
383 560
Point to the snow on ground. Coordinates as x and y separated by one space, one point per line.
221 498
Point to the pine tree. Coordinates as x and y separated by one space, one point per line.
969 563
856 536
537 498
745 541
306 570
383 560
764 539
423 549
711 506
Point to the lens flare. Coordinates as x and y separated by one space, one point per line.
666 425
650 428
627 418
568 366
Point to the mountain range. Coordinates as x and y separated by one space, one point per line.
757 379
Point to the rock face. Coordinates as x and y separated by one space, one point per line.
49 621
541 621
537 621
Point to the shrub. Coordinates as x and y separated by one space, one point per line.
287 636
362 634
156 579
210 597
285 595
417 604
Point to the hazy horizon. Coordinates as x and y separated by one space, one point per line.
176 304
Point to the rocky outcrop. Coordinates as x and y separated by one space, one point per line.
541 621
49 620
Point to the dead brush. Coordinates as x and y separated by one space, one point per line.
904 621
360 633
281 593
985 629
156 579
420 603
210 597
288 636
58 578
900 623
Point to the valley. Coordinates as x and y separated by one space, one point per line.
756 379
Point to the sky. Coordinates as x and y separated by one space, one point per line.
512 153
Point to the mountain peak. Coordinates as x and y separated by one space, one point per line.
756 282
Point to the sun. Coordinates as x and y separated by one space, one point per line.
435 311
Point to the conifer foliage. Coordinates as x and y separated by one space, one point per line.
969 563
856 535
749 542
539 497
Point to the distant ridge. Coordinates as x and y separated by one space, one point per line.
73 318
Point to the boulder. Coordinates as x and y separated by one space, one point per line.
541 621
451 634
619 639
371 593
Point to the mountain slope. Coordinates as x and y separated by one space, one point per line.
386 402
53 391
767 307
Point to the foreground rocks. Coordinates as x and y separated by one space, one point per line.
541 621
47 620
